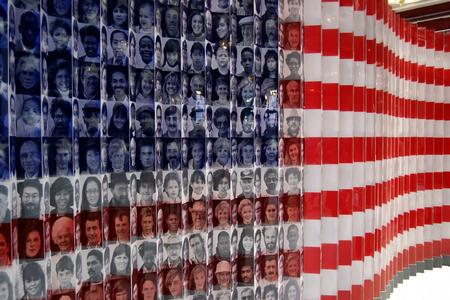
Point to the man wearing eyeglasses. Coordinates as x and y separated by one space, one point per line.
119 47
91 119
30 192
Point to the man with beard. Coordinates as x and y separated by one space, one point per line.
119 188
93 230
119 85
147 251
119 45
293 123
271 121
271 8
158 131
61 113
197 247
223 245
29 30
146 51
122 226
90 38
91 119
94 266
246 183
147 188
172 23
30 192
173 249
172 117
270 239
146 118
30 160
271 180
90 82
172 155
246 272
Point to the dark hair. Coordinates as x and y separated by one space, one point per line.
89 30
63 105
84 202
97 253
197 47
26 229
64 263
121 249
269 54
121 286
4 278
60 23
111 5
61 183
33 271
220 174
121 110
245 232
172 45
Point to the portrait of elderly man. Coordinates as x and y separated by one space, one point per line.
61 113
29 33
246 183
173 249
30 192
27 75
90 38
89 82
246 28
292 97
29 157
198 215
270 235
62 234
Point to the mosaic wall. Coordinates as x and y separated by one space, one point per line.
150 149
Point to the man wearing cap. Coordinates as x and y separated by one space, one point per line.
91 119
198 217
119 188
147 251
146 118
293 123
223 276
246 183
30 192
246 26
197 118
173 249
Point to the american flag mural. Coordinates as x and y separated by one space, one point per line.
219 149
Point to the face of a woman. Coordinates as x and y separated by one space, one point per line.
4 291
223 215
197 24
62 80
33 287
222 28
33 244
292 293
148 290
146 17
60 38
271 64
293 153
147 86
147 224
175 286
118 160
200 280
223 186
31 113
92 193
119 120
223 154
63 199
28 77
247 214
248 92
173 189
90 10
121 262
172 86
247 243
119 16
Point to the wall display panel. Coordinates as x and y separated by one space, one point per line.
223 149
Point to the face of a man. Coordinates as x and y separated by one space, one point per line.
64 278
198 59
247 274
172 22
63 239
120 192
90 45
119 44
247 185
122 227
147 156
93 232
294 66
223 279
173 154
247 61
30 158
90 81
29 29
173 222
172 123
173 251
270 269
94 267
62 158
223 244
119 84
270 239
31 199
271 181
223 125
197 246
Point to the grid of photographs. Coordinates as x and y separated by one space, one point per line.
151 149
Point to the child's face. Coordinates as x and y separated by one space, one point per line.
197 186
172 58
146 16
172 189
222 90
65 277
31 113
